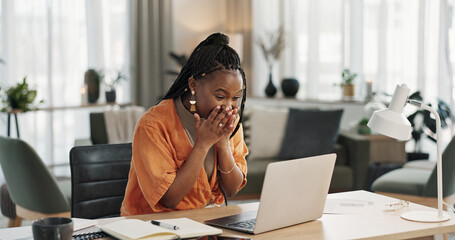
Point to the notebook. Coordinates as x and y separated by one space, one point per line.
129 229
294 192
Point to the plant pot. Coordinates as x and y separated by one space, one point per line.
290 87
110 96
348 90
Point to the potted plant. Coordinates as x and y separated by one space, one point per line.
423 125
111 84
19 97
347 83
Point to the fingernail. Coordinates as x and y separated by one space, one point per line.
218 107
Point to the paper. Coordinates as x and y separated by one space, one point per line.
81 223
348 206
16 233
137 229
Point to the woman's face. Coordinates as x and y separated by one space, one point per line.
220 88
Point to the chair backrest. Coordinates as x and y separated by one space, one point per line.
99 174
98 132
448 174
30 183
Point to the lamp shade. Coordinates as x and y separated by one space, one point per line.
391 121
236 42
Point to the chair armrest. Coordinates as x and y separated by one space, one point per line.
358 150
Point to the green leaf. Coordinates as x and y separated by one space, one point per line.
19 96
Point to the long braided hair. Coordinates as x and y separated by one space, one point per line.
212 54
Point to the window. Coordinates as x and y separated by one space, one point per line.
383 41
53 43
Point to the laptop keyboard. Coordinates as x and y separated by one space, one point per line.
245 224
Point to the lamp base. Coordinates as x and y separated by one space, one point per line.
425 216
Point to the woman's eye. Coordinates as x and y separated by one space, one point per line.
219 97
235 98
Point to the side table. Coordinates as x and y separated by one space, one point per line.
378 154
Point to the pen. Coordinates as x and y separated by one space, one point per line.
166 225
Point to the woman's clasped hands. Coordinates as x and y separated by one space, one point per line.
217 128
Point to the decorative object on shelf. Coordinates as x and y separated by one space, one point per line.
270 90
393 123
347 84
369 91
111 84
84 95
290 87
92 79
19 97
272 48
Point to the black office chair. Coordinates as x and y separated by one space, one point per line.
99 174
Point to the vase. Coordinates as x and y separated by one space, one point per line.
110 96
270 90
92 79
290 87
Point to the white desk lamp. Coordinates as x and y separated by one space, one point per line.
391 122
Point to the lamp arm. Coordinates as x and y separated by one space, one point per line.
438 150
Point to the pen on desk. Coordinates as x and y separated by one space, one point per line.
166 225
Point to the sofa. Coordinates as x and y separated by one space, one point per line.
280 133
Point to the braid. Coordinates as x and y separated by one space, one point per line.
242 105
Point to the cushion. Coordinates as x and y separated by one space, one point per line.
409 181
267 127
310 133
421 164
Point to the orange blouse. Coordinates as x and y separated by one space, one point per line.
160 148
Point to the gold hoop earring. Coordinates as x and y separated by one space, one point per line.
193 102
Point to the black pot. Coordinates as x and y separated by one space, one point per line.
270 90
290 87
110 96
92 79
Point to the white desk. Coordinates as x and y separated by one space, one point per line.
371 223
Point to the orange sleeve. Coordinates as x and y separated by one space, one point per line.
239 152
154 164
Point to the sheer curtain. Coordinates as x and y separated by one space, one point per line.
384 41
314 52
53 43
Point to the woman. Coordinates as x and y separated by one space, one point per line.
188 151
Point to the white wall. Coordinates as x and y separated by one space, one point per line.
194 20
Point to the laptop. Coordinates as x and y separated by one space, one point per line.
294 192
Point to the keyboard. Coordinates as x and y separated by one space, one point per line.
245 224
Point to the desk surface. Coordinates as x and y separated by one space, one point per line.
373 223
